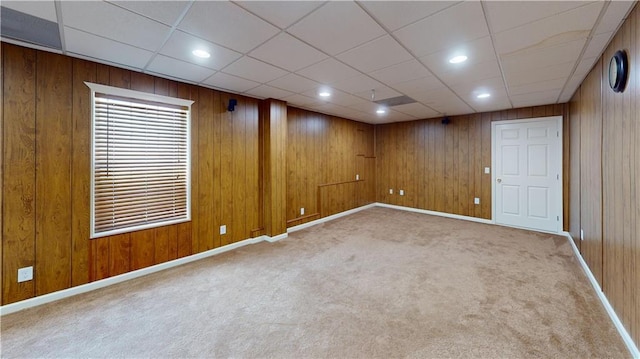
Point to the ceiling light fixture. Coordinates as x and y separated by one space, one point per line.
458 59
381 111
201 54
484 95
324 94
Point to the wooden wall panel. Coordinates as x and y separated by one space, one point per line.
53 172
323 156
19 115
1 169
591 170
448 173
274 127
609 185
46 175
574 169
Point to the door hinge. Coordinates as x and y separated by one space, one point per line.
558 177
558 218
557 133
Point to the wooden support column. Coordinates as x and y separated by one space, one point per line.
273 124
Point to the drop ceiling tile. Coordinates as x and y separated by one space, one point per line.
112 22
366 107
534 58
472 73
469 90
337 97
612 19
180 45
505 15
416 110
427 36
42 9
554 30
166 12
492 104
328 71
216 20
336 27
280 13
406 71
535 99
477 51
396 116
540 86
444 101
229 82
570 88
357 84
302 101
294 83
585 66
381 93
396 14
418 85
255 70
598 43
287 52
265 91
179 69
329 108
521 78
99 48
376 54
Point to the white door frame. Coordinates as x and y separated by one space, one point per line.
559 201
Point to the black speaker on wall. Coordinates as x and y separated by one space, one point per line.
446 120
232 105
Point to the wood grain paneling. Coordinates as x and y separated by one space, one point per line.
574 169
19 114
274 127
46 174
53 172
609 186
324 155
447 173
591 170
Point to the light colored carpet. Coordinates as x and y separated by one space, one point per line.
379 283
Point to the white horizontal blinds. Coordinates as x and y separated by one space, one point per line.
140 163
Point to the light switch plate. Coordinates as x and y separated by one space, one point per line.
302 211
476 200
390 190
487 170
402 192
357 177
223 229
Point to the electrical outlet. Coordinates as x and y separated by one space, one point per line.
302 211
390 190
25 274
223 229
581 234
476 200
402 192
487 170
357 177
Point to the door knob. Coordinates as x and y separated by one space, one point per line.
499 180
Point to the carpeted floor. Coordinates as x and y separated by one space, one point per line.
379 283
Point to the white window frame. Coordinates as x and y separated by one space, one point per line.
137 96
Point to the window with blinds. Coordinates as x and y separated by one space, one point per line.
140 153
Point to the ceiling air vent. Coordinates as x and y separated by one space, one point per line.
395 101
23 27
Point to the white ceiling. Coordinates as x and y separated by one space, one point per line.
524 53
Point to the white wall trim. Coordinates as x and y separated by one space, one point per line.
605 302
329 218
51 297
275 238
434 213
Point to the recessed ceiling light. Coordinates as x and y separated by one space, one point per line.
458 59
381 111
484 95
324 94
201 53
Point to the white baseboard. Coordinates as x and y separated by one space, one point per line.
605 302
65 293
329 218
434 213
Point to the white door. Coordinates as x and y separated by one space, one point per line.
528 173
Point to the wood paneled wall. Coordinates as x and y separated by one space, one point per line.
441 167
609 163
324 155
46 168
274 124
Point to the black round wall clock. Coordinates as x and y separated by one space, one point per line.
618 71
